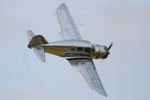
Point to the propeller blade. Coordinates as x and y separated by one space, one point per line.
110 46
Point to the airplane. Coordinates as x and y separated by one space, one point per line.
73 48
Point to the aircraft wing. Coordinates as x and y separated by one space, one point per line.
87 71
66 26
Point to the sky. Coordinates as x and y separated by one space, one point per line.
125 74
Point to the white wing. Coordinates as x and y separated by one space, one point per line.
66 26
88 71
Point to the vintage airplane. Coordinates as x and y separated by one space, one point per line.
77 51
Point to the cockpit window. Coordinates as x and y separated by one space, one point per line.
93 48
79 49
72 49
87 49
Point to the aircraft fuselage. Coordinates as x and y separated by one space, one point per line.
76 49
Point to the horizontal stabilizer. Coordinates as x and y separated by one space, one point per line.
39 51
30 34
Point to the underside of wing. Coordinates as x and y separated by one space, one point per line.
66 26
88 71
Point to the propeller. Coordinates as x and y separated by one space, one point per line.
110 46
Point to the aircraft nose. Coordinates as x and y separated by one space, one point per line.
106 55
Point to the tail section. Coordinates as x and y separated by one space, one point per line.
30 34
39 51
34 42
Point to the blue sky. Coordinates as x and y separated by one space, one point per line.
125 73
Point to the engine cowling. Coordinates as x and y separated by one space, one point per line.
99 52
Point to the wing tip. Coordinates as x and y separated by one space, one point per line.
62 5
103 93
30 34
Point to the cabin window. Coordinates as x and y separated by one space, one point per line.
87 49
72 49
79 49
93 49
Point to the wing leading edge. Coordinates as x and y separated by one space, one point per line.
66 26
88 71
